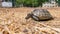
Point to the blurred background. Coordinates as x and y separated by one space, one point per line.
29 3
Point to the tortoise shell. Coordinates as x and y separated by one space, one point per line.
40 14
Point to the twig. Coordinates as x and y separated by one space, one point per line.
55 29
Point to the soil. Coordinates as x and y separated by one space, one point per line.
13 20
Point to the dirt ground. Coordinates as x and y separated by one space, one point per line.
12 21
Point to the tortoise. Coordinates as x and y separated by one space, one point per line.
39 15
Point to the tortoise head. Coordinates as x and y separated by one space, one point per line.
28 16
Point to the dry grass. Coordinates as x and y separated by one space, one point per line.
12 20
